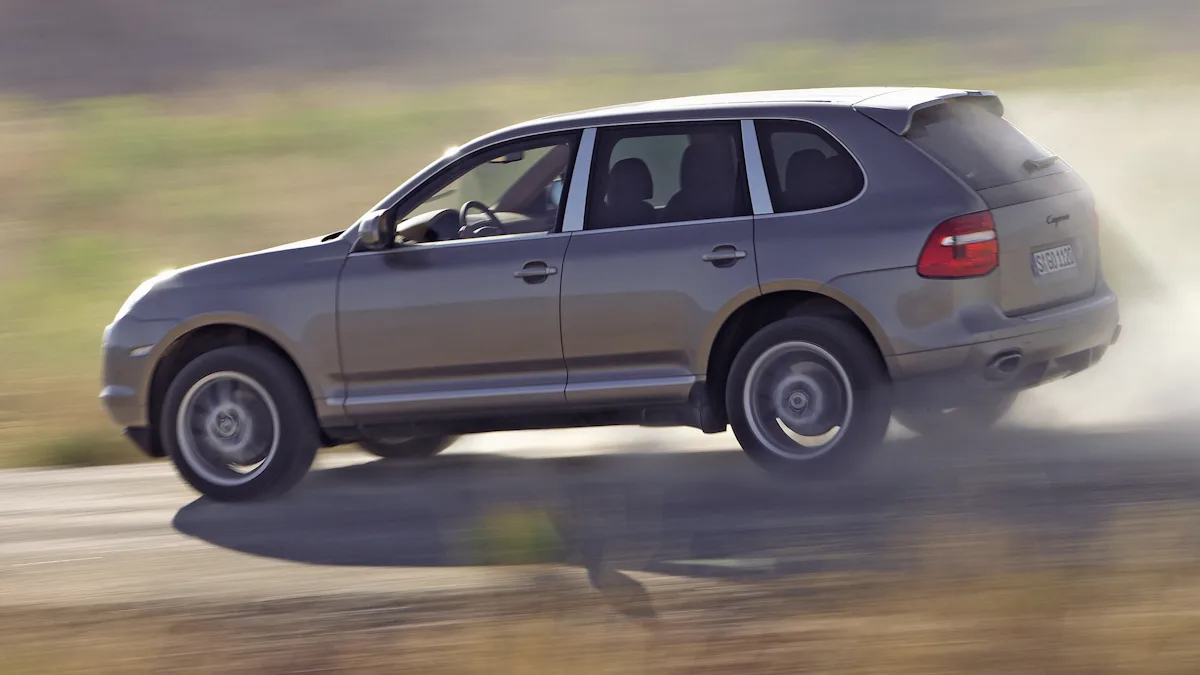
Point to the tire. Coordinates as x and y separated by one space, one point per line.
820 372
239 404
933 422
421 447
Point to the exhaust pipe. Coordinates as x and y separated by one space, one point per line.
1003 365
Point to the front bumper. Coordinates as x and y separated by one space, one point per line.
1055 348
145 441
130 349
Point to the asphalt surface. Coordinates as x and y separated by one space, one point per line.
671 503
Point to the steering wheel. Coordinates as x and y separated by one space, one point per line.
489 229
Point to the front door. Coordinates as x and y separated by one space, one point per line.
666 252
461 317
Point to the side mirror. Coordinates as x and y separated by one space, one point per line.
377 230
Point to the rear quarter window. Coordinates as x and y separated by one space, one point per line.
977 145
806 168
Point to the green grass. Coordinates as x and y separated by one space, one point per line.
516 537
99 194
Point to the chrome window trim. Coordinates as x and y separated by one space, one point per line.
577 188
450 243
656 226
861 167
756 176
418 179
741 130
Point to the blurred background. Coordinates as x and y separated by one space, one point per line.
137 135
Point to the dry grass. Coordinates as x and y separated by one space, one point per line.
969 600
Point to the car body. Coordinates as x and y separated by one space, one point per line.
900 249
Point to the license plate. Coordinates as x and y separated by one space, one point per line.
1053 260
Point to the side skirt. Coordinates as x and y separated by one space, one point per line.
696 413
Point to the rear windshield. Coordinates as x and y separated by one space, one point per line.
978 145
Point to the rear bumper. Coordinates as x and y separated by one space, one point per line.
1057 344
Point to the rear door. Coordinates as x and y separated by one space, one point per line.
666 249
1045 215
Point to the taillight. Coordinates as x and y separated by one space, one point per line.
961 247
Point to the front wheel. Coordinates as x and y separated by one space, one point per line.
238 424
933 421
808 396
419 447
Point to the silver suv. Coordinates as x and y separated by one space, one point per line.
799 265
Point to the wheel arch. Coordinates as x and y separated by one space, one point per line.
195 340
767 308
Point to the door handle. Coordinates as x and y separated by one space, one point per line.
724 254
535 270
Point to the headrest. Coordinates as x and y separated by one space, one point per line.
630 181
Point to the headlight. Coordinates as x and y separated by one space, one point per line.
141 291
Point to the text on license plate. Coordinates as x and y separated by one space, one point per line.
1053 260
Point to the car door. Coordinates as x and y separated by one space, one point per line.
665 253
461 317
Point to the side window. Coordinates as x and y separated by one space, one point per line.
667 174
806 168
514 188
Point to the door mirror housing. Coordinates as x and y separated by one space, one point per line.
377 229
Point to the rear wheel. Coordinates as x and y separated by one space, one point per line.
238 424
419 447
932 421
808 396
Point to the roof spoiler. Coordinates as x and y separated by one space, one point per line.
895 109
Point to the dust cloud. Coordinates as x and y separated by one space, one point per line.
1139 151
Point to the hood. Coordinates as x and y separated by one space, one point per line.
167 295
265 265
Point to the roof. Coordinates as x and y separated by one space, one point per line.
845 96
892 107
